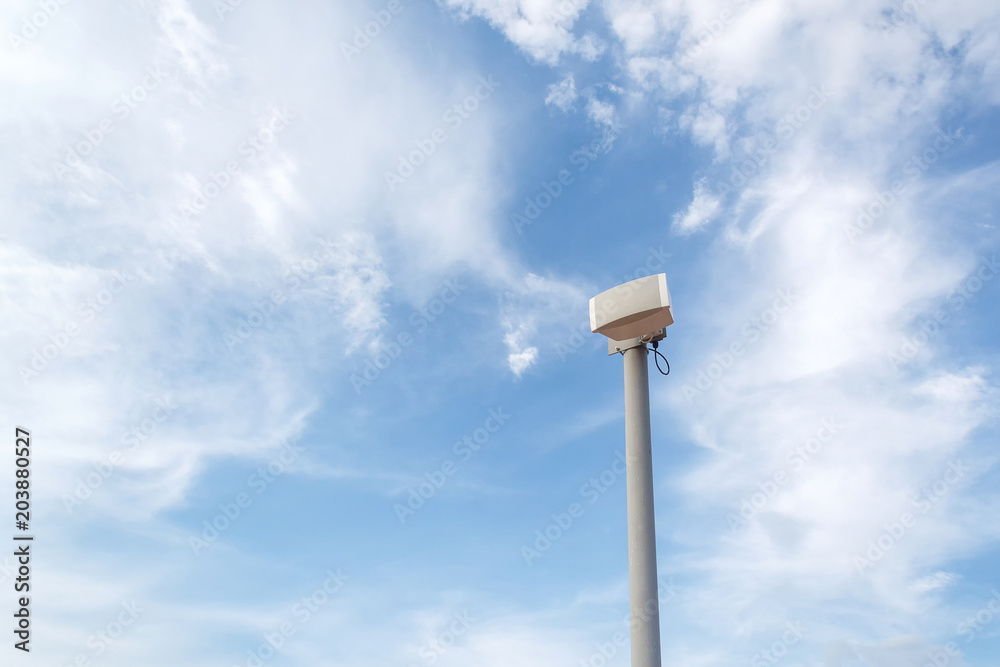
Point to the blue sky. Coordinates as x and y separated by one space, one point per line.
298 321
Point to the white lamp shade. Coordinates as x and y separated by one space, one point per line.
636 308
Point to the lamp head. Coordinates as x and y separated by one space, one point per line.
633 312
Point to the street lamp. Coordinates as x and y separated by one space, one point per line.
632 315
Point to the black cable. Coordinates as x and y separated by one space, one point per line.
657 356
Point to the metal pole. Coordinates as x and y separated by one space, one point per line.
644 603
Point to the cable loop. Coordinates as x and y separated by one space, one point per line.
657 357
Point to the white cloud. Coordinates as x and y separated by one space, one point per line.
519 359
935 582
355 284
542 28
826 356
195 48
701 211
642 25
601 112
708 127
852 100
536 309
197 280
661 75
562 94
590 47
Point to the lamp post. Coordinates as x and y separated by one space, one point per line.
632 315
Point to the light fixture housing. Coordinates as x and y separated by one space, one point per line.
633 312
